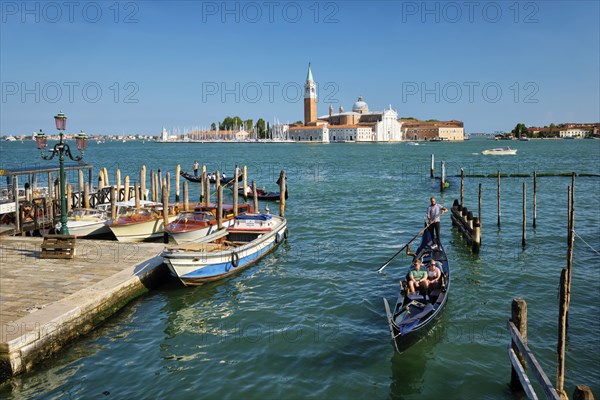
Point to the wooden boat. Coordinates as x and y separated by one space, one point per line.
190 226
228 250
264 195
414 314
500 151
194 178
143 224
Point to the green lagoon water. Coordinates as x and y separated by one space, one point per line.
308 320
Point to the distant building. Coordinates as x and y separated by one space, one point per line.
433 130
358 125
574 133
236 135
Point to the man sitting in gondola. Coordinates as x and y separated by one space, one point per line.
417 279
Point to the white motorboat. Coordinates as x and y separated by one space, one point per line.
138 225
500 151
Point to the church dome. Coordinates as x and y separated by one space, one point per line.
360 106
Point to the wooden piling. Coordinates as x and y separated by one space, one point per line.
443 180
462 186
571 244
498 199
15 192
168 180
524 214
562 333
534 199
157 184
186 200
476 244
255 194
432 166
160 180
583 392
113 204
203 179
100 182
126 190
118 183
245 183
86 195
282 189
220 207
519 318
69 198
105 175
152 190
138 195
479 205
236 174
177 177
165 202
80 186
143 182
206 190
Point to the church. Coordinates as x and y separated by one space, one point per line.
357 125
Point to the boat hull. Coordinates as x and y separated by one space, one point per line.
195 234
199 267
140 231
88 228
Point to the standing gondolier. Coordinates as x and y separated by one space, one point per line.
434 212
196 167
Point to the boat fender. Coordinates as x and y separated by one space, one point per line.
285 234
235 259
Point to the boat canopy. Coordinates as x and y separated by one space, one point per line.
260 217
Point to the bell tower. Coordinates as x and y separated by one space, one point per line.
310 99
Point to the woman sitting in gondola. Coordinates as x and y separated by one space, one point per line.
433 276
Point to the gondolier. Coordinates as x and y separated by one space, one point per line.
196 167
434 212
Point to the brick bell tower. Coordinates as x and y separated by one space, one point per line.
310 99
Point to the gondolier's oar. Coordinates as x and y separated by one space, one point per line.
403 247
409 242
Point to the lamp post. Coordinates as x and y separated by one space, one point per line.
62 149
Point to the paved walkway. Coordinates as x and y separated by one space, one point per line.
63 293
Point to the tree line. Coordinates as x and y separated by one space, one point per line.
261 128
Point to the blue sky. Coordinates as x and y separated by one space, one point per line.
136 66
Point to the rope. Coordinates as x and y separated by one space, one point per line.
594 250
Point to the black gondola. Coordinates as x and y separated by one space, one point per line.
213 179
414 314
264 195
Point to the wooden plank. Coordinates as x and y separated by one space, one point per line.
532 362
525 382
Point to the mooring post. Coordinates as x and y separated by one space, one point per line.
15 193
165 201
105 173
432 165
519 318
203 178
126 189
583 392
168 179
571 244
443 180
177 177
86 195
157 185
255 195
186 200
245 183
498 199
69 198
206 190
81 183
113 204
524 214
219 205
118 179
534 199
282 189
152 183
479 204
476 236
462 186
562 333
142 182
236 174
138 194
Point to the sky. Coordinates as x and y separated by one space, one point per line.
134 67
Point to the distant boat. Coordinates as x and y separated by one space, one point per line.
506 151
524 139
412 143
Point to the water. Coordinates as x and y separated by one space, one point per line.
308 320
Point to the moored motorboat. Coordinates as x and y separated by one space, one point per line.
500 151
414 313
226 251
190 226
138 225
86 222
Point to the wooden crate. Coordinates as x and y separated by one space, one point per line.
58 246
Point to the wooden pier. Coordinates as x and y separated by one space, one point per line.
45 303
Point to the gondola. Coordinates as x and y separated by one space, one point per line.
414 314
264 195
194 178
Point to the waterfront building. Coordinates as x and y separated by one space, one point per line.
433 130
574 133
235 135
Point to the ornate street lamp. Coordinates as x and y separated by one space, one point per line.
62 149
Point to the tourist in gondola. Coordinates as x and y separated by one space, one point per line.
417 279
433 275
434 212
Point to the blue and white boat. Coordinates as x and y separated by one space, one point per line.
226 251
